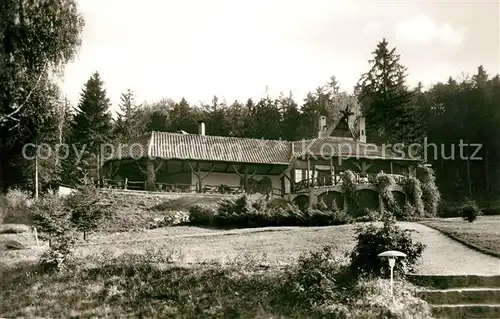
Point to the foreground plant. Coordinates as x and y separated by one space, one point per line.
470 211
372 240
86 209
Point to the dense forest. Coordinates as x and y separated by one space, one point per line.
32 110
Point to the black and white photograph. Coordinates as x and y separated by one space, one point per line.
250 159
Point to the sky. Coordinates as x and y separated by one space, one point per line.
234 49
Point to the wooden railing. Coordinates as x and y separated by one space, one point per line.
179 187
325 181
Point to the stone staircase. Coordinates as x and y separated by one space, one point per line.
460 296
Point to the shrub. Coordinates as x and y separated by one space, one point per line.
321 205
59 254
86 209
369 216
243 212
339 217
312 281
51 217
15 207
16 198
447 210
470 211
202 214
242 205
372 240
376 301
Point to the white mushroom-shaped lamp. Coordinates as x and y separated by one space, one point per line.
391 256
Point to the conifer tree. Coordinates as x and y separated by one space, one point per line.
92 125
385 98
125 123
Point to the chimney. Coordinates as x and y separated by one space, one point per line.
361 129
321 126
201 128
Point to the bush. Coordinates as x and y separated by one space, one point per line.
16 198
312 281
372 241
202 214
448 210
60 253
377 302
470 211
15 207
243 212
51 217
86 209
369 216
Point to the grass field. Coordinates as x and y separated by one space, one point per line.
190 245
483 234
191 272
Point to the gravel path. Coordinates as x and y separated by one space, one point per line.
444 256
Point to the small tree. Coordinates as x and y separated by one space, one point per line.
86 209
51 217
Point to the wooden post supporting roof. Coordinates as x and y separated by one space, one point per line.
308 173
150 173
332 171
245 176
200 178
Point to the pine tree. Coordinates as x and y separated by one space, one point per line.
386 100
92 124
267 119
125 124
291 118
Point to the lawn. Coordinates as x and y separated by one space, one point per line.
190 245
483 234
229 274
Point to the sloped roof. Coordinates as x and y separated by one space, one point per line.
333 146
219 148
206 147
244 150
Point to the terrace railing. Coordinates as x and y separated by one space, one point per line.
327 181
179 187
141 185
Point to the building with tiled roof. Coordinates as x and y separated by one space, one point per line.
199 162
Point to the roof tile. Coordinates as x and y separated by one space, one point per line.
245 150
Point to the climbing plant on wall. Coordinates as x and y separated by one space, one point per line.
348 187
414 207
430 192
385 184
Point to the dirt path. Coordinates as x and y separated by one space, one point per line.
445 256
